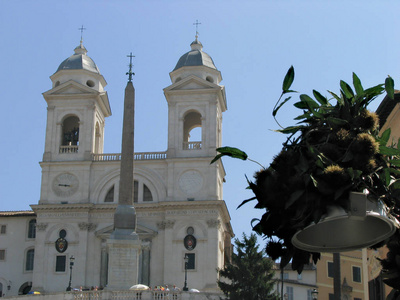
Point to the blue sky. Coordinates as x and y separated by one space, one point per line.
253 43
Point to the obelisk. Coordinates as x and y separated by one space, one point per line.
124 244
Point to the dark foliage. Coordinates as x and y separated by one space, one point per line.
250 275
332 150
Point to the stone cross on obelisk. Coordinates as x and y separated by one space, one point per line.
124 244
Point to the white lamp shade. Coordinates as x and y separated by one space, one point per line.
363 226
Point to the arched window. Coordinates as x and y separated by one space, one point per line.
70 131
141 193
29 260
192 131
32 229
110 195
147 196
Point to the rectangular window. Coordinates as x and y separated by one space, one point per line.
356 274
285 276
3 229
191 265
289 292
2 254
60 263
29 260
330 269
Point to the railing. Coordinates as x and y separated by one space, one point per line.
127 295
137 156
106 157
191 145
69 149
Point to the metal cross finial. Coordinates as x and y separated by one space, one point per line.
197 27
130 73
82 29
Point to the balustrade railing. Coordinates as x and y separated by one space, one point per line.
69 149
191 145
137 156
127 295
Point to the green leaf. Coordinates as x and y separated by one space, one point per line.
230 151
288 80
375 90
245 201
388 151
389 87
337 121
346 89
290 129
321 99
218 156
309 101
338 99
274 112
357 85
384 138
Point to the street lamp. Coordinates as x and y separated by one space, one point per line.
186 259
71 264
314 294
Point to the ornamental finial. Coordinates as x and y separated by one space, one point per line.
130 73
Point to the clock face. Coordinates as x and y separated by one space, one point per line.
190 182
65 185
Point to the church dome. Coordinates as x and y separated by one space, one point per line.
195 57
79 61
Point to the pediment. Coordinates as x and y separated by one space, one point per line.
192 83
71 87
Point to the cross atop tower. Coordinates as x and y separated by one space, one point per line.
82 29
130 73
197 27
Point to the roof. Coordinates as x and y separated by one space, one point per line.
79 61
21 213
195 57
386 107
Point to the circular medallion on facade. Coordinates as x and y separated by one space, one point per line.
190 182
65 185
61 245
189 242
190 230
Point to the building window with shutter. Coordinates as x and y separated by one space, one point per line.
356 274
32 229
60 263
30 254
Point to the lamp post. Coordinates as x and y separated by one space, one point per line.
71 264
186 259
314 294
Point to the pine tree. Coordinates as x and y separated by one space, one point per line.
250 275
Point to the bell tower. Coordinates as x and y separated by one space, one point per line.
77 106
196 101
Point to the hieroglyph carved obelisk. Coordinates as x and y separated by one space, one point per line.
124 244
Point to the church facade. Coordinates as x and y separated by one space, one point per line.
177 193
